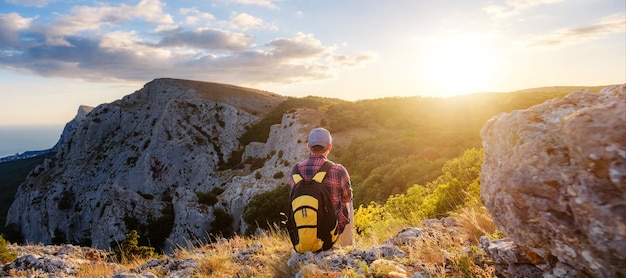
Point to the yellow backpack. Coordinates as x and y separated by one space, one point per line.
311 219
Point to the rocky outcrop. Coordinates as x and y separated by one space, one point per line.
280 152
138 162
70 127
554 180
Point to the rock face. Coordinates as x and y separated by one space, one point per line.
71 126
138 162
554 180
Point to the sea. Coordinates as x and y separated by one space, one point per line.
18 139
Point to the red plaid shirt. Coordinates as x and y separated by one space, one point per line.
337 181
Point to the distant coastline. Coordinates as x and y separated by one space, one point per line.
19 139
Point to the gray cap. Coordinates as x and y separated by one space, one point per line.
320 137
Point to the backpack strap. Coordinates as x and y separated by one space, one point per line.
296 175
319 176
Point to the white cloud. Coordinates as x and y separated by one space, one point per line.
94 43
84 18
262 3
606 26
511 7
128 42
151 11
301 46
11 24
244 21
194 16
347 61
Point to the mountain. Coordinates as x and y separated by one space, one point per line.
551 177
141 162
180 159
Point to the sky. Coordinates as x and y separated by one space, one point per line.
58 54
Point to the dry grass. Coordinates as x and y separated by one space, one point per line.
268 257
97 270
381 231
477 222
442 252
438 252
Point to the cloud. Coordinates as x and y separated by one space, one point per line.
609 25
99 43
244 21
262 3
83 18
512 7
194 16
347 61
11 24
201 53
300 46
205 39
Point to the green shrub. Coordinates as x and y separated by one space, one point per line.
6 255
217 190
128 250
279 175
222 225
458 186
207 198
255 163
264 209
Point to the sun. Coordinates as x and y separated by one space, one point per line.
458 65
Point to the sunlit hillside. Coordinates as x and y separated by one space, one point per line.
414 162
398 142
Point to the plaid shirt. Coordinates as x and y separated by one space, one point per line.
337 181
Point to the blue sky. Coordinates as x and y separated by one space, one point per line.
58 54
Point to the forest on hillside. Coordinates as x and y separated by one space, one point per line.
409 139
412 150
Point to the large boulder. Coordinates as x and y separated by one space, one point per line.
554 180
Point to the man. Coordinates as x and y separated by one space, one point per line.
337 181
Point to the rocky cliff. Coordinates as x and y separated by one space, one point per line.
138 162
72 125
554 180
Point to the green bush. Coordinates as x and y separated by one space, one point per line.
222 225
264 209
6 255
217 190
279 175
458 186
128 250
207 198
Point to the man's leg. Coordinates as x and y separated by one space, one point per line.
345 238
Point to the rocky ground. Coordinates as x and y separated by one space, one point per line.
439 248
